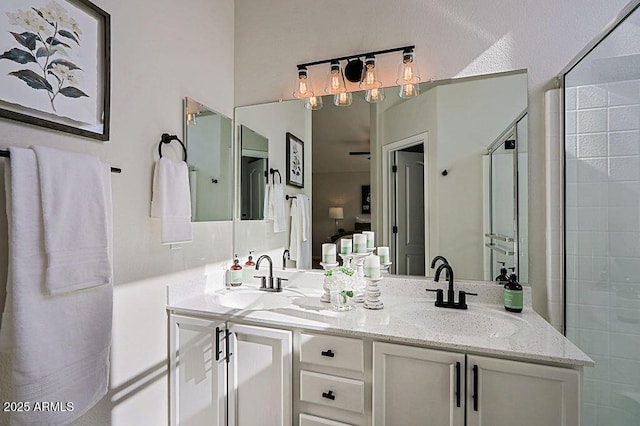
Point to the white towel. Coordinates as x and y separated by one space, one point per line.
269 213
171 201
299 242
75 220
277 200
59 344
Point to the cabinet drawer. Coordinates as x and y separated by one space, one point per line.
307 420
332 351
332 391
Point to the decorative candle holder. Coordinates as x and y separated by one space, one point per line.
384 267
326 296
358 260
346 259
372 295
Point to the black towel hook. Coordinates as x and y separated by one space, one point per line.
167 138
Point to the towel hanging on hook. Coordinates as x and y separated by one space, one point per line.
273 173
167 138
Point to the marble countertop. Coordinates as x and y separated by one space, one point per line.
408 317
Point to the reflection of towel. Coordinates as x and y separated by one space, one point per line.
193 190
300 243
75 220
277 200
59 344
269 213
171 200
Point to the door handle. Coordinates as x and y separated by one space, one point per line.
227 346
457 384
218 351
475 388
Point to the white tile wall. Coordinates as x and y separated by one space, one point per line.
602 245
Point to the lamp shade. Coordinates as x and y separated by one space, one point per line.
336 213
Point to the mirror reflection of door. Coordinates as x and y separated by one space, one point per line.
253 173
408 207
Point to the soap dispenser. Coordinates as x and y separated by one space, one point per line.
503 277
235 278
513 295
249 269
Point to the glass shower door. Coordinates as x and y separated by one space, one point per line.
602 223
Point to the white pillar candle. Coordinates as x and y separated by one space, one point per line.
346 246
383 252
372 266
359 243
329 253
371 243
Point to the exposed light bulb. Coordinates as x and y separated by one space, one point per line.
335 82
408 71
409 90
191 119
313 103
370 77
374 95
342 99
303 87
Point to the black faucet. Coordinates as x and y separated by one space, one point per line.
442 259
263 280
451 300
286 255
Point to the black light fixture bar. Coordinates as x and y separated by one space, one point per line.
344 58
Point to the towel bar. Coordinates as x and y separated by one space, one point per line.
7 154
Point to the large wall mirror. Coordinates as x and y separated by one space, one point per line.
443 173
209 139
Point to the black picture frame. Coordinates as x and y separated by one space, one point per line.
295 161
98 130
366 199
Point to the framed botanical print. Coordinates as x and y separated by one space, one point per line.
295 161
55 65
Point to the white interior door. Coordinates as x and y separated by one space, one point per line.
409 203
257 182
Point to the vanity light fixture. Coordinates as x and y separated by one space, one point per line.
303 84
358 72
191 119
408 76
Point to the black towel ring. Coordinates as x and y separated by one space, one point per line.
273 173
167 138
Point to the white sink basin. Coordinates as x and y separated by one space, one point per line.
251 300
475 322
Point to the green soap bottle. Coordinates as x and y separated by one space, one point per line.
513 295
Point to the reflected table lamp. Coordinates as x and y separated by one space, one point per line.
336 213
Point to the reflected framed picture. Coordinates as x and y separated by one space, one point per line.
295 161
55 65
366 199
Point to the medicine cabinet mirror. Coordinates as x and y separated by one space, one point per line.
209 139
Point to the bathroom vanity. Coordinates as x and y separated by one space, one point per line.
245 357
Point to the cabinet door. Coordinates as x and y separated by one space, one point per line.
417 386
502 392
197 372
260 376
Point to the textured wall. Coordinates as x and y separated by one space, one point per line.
161 51
452 38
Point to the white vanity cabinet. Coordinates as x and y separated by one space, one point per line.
225 373
417 386
502 392
414 386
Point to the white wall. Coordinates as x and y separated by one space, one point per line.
273 121
161 51
452 38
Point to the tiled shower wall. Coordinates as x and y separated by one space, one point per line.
602 148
